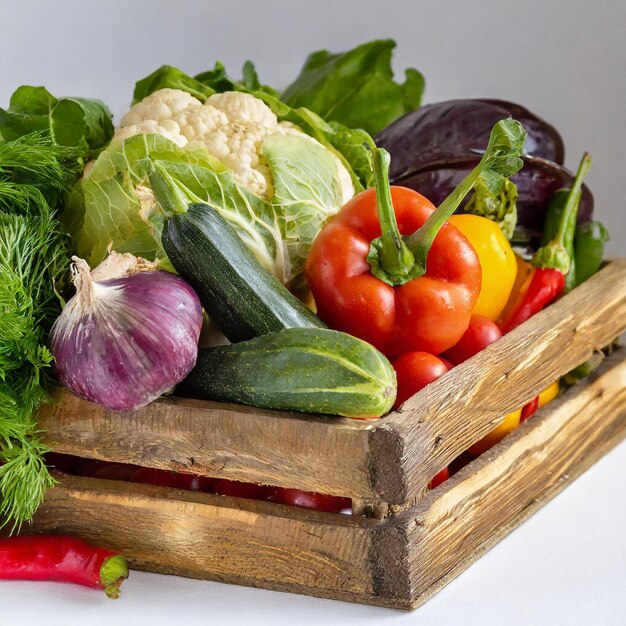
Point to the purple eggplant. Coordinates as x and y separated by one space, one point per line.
536 182
446 131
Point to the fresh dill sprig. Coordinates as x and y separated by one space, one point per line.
35 175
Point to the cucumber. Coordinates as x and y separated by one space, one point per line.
300 369
243 298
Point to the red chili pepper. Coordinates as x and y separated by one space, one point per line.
480 333
529 409
63 559
415 370
545 285
551 262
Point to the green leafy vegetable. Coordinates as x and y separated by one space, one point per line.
306 192
76 122
168 77
115 204
356 88
351 146
35 174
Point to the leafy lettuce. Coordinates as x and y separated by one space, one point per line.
356 88
76 122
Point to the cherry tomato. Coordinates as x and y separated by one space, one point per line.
439 478
480 333
311 500
415 370
238 489
177 480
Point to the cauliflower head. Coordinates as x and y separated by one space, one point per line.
232 126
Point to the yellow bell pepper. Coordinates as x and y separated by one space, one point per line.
497 260
511 422
547 395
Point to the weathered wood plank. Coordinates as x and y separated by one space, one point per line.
455 524
215 537
377 462
397 562
330 455
444 419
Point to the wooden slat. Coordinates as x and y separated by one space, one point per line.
466 516
444 419
397 562
330 455
378 462
215 537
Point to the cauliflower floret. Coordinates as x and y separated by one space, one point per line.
231 126
167 128
163 104
244 108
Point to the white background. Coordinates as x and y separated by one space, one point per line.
564 59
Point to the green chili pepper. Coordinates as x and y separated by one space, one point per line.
584 369
589 242
552 222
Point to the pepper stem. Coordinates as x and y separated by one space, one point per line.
422 239
554 254
397 260
389 258
113 572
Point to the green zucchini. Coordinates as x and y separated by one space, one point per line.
243 298
300 369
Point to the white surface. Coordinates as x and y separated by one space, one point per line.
563 59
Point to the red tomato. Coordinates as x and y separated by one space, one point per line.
415 370
480 333
439 478
311 500
238 489
177 480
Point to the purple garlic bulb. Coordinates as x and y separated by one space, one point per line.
129 334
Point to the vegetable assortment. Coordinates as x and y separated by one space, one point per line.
271 216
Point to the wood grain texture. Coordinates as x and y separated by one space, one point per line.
448 416
383 464
397 562
227 441
215 537
456 523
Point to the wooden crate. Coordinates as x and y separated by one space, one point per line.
403 542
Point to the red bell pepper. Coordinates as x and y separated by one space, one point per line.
551 262
439 478
63 559
389 269
311 500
